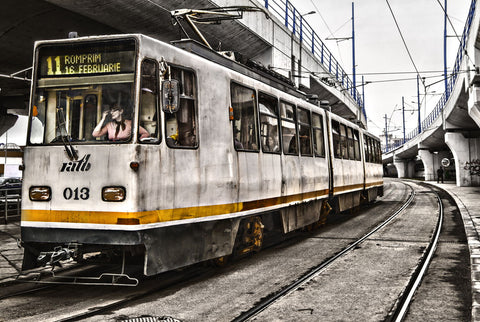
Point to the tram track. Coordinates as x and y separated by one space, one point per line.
401 307
267 302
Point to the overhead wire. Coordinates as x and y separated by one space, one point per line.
403 40
328 28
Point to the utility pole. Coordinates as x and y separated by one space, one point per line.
386 134
353 53
403 116
363 98
418 103
447 94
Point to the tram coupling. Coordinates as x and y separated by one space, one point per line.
53 258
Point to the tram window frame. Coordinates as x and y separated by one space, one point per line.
305 126
343 141
336 139
245 136
270 114
149 86
379 152
356 142
373 158
188 105
350 144
372 149
366 149
318 136
286 123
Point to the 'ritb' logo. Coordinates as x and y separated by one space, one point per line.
76 166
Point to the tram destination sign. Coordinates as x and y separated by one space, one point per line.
61 60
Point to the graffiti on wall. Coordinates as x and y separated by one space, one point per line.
473 166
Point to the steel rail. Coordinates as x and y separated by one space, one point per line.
264 304
405 300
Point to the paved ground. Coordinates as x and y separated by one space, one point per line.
10 253
467 199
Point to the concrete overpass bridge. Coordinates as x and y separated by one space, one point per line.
281 40
451 132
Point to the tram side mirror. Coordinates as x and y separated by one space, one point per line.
170 96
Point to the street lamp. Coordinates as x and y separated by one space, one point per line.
301 22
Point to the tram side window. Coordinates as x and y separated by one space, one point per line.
269 129
245 134
305 132
318 143
336 140
343 141
373 157
350 144
289 129
356 144
148 118
366 148
379 153
181 126
371 150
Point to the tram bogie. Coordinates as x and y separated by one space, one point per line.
140 147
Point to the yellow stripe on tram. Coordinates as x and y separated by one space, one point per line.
163 215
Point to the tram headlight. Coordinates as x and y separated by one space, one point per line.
113 193
40 193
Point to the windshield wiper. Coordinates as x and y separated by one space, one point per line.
65 137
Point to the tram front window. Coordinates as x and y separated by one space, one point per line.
95 113
84 92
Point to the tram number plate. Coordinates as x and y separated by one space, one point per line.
76 193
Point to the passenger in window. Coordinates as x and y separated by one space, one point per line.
236 139
119 128
272 145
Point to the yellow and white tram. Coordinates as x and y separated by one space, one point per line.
176 154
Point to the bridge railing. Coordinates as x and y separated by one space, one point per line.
437 110
294 21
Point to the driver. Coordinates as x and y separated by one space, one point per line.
119 129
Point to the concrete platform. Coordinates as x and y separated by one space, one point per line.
468 202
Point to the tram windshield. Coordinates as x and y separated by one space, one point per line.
84 93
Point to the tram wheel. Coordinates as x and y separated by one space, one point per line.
251 236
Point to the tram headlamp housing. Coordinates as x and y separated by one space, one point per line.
113 193
41 193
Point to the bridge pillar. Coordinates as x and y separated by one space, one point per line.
411 169
428 159
405 167
474 104
400 165
466 152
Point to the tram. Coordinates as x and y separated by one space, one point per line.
176 154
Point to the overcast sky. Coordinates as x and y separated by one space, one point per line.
379 49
